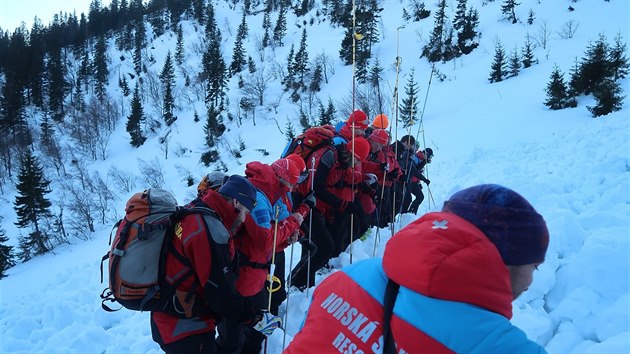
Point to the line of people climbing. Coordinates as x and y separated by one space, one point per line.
326 175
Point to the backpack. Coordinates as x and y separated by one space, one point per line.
136 258
310 141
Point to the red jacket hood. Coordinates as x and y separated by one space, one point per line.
264 179
443 256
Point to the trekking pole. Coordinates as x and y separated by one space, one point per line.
288 287
272 266
378 212
310 230
395 102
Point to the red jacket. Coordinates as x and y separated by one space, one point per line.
256 241
455 296
191 240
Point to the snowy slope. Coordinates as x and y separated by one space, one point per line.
574 169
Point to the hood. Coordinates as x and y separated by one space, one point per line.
264 179
444 256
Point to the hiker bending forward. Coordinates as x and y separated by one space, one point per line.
450 277
199 264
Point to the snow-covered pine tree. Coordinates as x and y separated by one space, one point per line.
7 257
498 69
508 10
135 120
238 55
280 29
408 109
514 64
594 66
528 53
100 68
433 50
167 75
617 58
31 206
607 96
179 47
556 90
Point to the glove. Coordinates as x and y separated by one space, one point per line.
354 207
310 200
393 174
427 181
268 324
384 166
370 178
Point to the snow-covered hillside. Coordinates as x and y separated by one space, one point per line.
574 169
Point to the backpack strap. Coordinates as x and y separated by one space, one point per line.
391 292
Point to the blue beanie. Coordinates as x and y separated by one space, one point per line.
506 218
239 188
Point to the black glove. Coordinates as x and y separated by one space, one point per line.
354 207
426 180
393 174
384 166
310 200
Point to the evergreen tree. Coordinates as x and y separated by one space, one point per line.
618 61
135 120
168 81
300 69
290 131
433 50
266 27
467 39
100 67
508 10
124 86
326 114
594 66
528 53
531 17
198 7
214 126
450 50
251 65
238 56
556 90
57 86
36 67
216 72
290 77
409 107
31 205
316 80
7 257
139 43
179 51
608 98
85 70
499 64
574 88
214 67
280 30
514 65
460 15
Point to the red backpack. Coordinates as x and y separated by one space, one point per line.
310 141
136 266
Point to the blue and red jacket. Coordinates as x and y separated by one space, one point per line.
455 297
256 242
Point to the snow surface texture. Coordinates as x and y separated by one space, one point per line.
575 170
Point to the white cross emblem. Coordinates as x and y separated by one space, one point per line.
440 224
